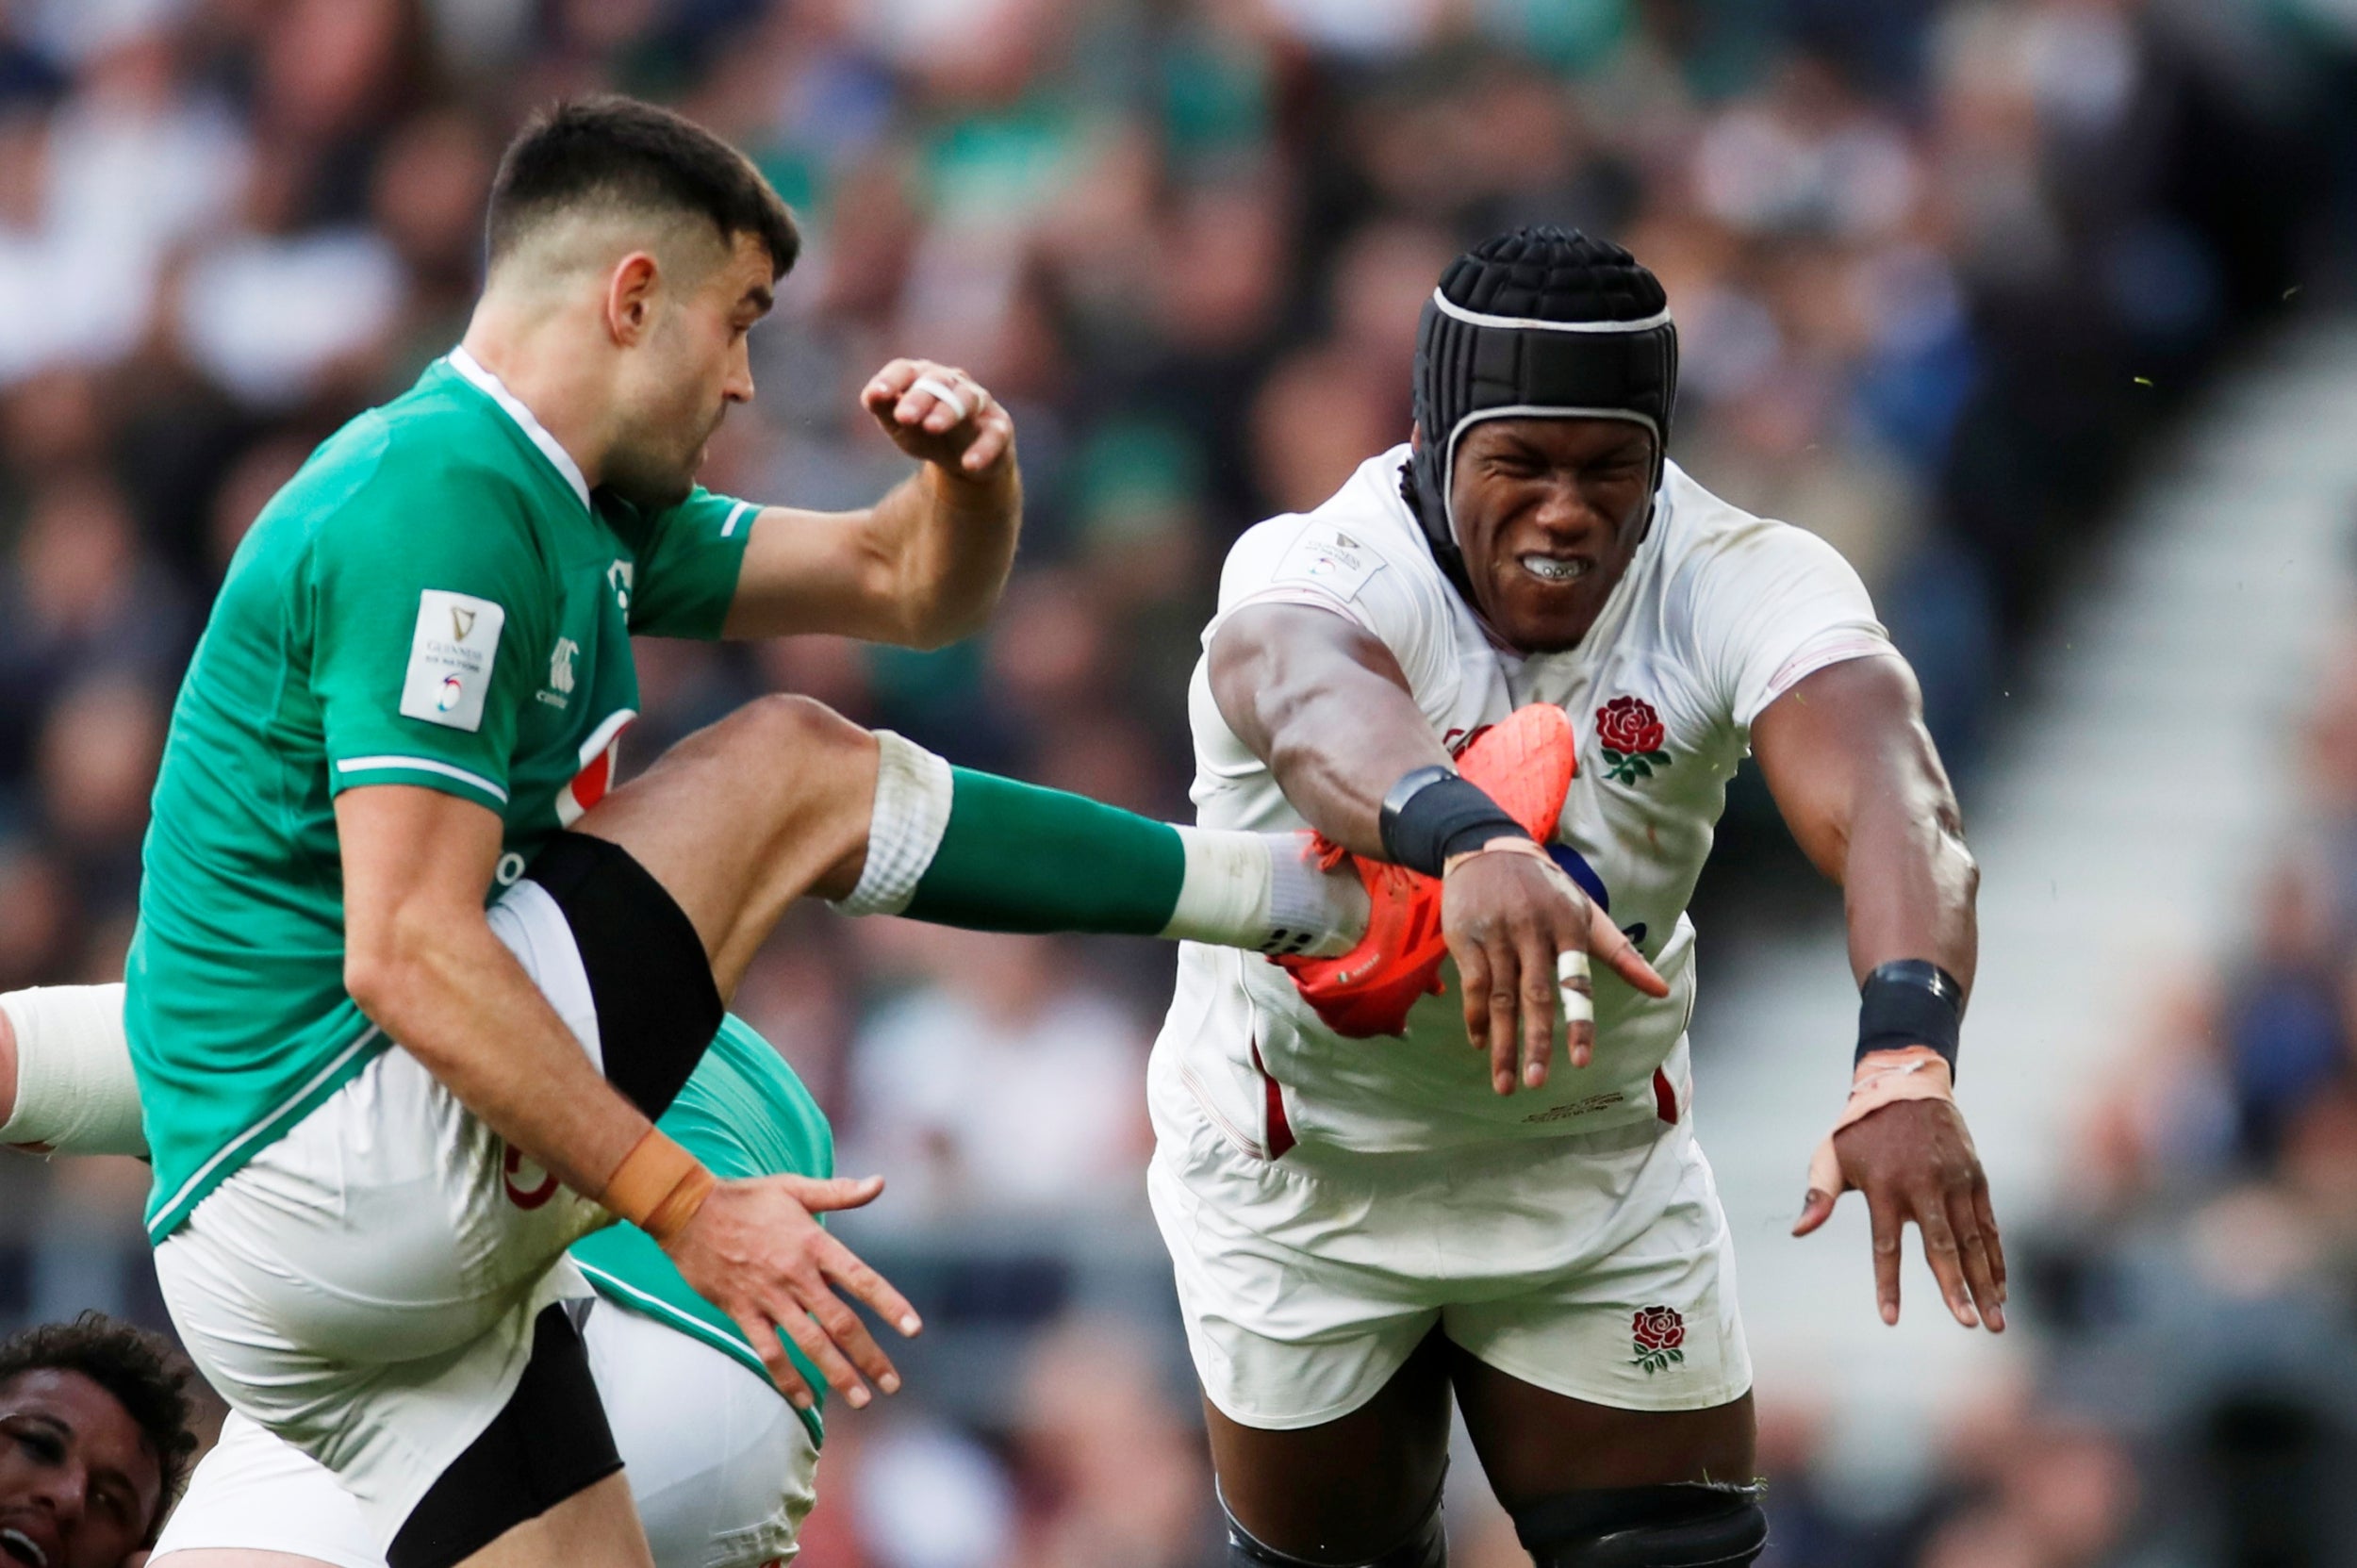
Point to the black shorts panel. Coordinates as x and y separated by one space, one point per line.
551 1442
649 975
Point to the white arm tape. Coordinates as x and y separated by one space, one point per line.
75 1088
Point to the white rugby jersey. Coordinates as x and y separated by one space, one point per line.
1720 613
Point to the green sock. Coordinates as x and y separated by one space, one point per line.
1016 857
959 848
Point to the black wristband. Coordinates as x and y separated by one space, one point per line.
1910 1001
1432 813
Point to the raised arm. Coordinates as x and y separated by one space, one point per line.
922 566
1853 771
1325 704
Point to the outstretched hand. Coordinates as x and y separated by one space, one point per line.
1914 1160
940 415
1510 916
754 1251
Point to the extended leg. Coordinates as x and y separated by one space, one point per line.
785 797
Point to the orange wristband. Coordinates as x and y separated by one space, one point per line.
658 1186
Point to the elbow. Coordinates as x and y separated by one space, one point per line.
373 980
1948 825
388 965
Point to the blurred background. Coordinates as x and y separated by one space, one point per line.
2032 308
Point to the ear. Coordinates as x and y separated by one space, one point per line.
1415 437
630 297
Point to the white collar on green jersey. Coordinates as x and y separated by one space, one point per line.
493 387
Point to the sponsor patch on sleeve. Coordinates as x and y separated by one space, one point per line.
451 655
1330 559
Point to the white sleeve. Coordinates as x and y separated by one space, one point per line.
1771 607
1328 566
75 1092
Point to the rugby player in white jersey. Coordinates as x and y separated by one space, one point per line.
1365 1228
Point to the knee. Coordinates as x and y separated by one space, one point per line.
1688 1525
801 729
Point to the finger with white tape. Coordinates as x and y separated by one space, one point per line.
945 394
1579 1006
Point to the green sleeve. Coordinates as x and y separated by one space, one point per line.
687 572
427 603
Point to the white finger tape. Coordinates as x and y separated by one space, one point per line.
1578 1007
947 393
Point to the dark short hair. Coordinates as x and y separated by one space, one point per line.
144 1374
614 152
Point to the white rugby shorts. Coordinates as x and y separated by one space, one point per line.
366 1286
1598 1266
722 1468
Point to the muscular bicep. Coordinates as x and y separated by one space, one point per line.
1846 740
815 572
1326 704
1270 665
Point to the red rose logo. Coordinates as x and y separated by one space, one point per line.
1656 1333
1633 737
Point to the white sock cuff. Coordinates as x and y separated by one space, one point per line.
75 1088
912 789
1224 896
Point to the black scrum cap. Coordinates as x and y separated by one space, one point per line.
1542 321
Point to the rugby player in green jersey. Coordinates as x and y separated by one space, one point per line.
721 1466
399 940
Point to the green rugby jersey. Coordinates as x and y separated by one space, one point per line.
743 1113
433 600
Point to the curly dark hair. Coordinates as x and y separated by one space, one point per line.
148 1378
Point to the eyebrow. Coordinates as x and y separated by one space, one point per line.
99 1472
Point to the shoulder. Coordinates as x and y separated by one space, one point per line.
418 484
1360 540
1758 605
395 456
1717 552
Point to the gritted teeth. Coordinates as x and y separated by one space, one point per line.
1552 569
23 1549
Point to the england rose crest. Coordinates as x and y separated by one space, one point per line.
1633 735
1656 1334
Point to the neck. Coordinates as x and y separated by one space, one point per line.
544 358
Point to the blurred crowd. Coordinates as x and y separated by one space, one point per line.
1940 270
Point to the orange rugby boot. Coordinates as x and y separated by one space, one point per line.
1525 763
